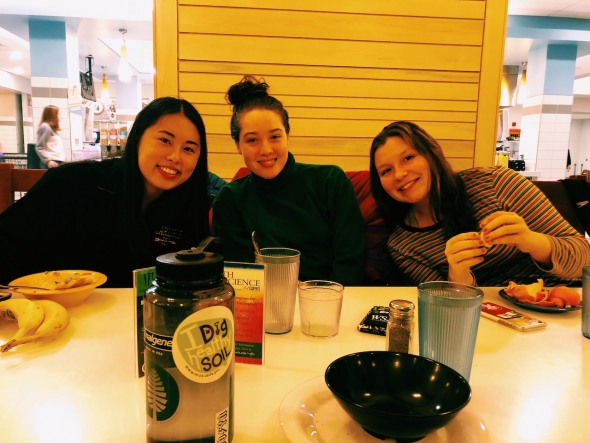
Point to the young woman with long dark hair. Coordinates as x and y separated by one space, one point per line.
116 215
483 226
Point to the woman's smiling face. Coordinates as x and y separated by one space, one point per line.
168 153
263 142
403 171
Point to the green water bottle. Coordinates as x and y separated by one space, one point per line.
189 349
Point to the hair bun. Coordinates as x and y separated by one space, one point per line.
246 89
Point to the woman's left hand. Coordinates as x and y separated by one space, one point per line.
509 228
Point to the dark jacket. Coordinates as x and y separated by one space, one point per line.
310 208
71 220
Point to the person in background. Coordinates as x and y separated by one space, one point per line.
214 185
483 226
49 145
117 215
310 208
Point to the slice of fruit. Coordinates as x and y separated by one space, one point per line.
526 298
533 288
570 296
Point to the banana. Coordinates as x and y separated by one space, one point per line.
28 314
56 319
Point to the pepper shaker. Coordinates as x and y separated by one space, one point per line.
400 326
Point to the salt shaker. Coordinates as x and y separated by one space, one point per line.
586 302
400 326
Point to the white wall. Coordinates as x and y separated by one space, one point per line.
515 116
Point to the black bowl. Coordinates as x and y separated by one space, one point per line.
396 395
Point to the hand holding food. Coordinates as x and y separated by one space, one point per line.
464 251
44 317
483 240
509 228
535 294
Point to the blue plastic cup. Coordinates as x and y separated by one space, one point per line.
281 274
448 318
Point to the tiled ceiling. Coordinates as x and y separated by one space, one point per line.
550 8
96 26
516 50
98 31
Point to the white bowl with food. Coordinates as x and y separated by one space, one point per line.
68 288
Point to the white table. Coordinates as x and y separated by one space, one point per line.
527 387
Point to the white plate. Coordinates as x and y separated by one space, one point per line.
310 413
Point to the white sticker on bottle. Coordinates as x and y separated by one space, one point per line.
203 344
222 426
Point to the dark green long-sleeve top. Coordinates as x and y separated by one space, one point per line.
310 208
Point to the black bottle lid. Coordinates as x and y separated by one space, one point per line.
194 265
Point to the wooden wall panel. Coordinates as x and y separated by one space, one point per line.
165 48
352 103
377 28
338 87
490 81
418 8
362 72
353 114
344 70
328 52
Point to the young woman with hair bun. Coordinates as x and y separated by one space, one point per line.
310 208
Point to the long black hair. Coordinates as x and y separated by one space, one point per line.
449 203
251 93
193 192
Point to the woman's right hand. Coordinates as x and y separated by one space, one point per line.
52 164
464 251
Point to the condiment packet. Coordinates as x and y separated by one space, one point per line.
375 322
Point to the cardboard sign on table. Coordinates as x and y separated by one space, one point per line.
247 280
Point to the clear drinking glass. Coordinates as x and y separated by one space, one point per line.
448 318
281 274
320 304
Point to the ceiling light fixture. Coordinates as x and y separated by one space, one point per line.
105 96
521 92
124 68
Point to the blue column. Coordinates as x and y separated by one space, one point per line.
551 69
546 114
48 48
49 73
